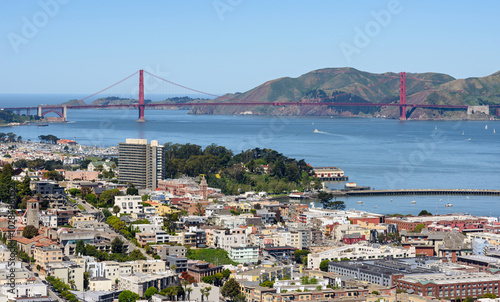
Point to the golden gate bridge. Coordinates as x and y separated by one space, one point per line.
406 109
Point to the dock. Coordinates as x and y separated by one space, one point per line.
475 192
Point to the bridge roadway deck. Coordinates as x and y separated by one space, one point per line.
480 192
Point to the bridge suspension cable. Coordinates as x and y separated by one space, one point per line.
110 86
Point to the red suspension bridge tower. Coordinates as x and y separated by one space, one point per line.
402 96
141 97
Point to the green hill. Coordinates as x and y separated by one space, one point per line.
354 86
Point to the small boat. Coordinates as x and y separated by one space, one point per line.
486 127
391 199
375 207
436 128
463 132
43 125
360 202
448 205
413 202
468 197
313 123
469 139
316 131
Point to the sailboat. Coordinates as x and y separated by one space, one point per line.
494 131
486 127
435 127
316 131
463 132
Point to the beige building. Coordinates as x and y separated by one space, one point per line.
140 282
81 218
100 284
68 272
47 255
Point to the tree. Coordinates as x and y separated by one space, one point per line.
299 255
419 227
86 280
150 292
128 296
381 238
90 250
30 231
231 289
323 265
189 290
80 247
424 213
205 292
490 296
116 210
106 213
324 197
74 192
226 273
107 197
117 246
54 175
132 191
91 198
334 205
7 185
24 187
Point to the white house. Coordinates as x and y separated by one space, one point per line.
244 254
129 204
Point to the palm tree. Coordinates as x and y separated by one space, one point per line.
72 284
207 291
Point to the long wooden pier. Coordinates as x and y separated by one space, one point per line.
475 192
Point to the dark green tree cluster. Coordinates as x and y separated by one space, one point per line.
117 252
256 169
121 227
15 193
49 139
11 117
39 164
231 290
300 256
326 201
9 137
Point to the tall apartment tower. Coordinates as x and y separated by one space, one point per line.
32 214
140 163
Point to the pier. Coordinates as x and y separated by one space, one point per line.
476 192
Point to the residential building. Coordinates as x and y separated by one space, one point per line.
47 255
140 282
68 272
140 163
129 204
46 187
100 284
244 254
200 270
359 252
179 262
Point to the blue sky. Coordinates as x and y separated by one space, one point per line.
223 46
